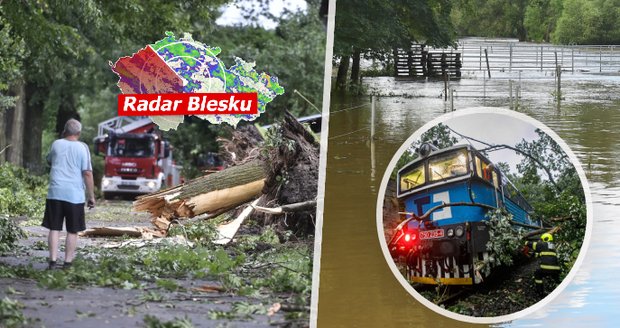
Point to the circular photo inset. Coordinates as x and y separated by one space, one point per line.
483 215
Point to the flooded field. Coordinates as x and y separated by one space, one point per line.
354 275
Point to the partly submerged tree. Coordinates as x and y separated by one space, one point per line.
376 27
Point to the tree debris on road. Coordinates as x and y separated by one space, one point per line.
280 175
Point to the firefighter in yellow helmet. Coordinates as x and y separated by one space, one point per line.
549 264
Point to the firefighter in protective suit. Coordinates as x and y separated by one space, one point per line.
549 264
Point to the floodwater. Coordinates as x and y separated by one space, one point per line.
356 286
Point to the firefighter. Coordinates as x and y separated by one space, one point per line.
549 264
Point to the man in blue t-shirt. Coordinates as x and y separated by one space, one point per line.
70 175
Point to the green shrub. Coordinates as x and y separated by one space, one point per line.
20 192
10 233
11 313
504 241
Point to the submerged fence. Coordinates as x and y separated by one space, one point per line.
507 56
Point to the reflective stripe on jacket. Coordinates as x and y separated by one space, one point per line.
546 252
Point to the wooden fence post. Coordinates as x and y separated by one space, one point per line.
486 56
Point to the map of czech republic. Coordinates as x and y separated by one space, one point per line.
183 65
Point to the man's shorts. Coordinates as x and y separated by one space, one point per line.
56 211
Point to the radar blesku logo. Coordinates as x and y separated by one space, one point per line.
175 77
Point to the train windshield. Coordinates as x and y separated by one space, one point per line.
412 178
132 147
448 166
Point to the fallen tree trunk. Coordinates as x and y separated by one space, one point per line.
215 192
284 170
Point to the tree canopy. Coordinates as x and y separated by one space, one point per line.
558 21
377 27
55 60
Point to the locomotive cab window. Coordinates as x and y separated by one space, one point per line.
448 166
495 180
485 171
413 178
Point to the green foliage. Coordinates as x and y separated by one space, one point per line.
167 284
294 52
11 313
10 233
153 322
375 28
20 192
68 45
504 241
560 21
561 205
254 266
240 310
201 232
274 140
152 296
541 17
191 139
589 22
379 26
493 18
11 52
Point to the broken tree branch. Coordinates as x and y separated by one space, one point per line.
227 232
297 207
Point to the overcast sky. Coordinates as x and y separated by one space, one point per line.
233 12
494 129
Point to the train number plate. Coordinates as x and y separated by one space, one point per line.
431 234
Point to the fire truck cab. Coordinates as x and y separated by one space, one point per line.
137 159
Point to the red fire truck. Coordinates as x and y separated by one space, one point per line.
137 159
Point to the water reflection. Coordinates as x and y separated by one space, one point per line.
354 275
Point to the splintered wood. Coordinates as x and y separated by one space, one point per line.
139 232
282 172
210 194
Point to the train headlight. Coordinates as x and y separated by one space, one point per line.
105 182
407 237
450 232
151 184
459 231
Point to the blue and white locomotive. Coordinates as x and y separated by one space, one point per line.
446 194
